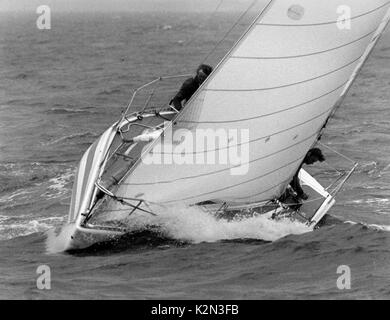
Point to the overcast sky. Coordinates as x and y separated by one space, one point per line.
124 5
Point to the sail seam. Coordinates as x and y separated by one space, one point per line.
261 138
242 183
287 85
227 169
325 23
305 55
260 193
267 114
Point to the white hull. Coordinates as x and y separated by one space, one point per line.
77 237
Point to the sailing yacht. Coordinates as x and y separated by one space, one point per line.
273 94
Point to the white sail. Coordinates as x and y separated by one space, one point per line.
280 82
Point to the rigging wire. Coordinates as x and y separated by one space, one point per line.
332 168
135 207
219 5
230 30
336 152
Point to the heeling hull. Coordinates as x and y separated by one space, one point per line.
73 237
281 99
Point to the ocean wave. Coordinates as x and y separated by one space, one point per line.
58 86
383 57
20 176
14 184
3 218
16 102
368 167
21 76
377 227
379 204
109 92
59 186
380 227
33 186
386 170
20 194
376 200
24 228
72 137
4 106
69 111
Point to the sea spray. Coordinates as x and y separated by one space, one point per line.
57 239
195 225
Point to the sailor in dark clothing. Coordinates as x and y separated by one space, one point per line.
190 86
313 156
294 193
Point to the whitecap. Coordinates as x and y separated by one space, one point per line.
371 226
24 228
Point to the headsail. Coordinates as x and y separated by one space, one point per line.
281 81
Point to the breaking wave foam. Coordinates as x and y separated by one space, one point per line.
195 225
68 110
371 226
57 239
24 228
72 137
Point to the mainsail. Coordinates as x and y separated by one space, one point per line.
277 87
281 81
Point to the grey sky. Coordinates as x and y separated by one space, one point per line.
124 5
